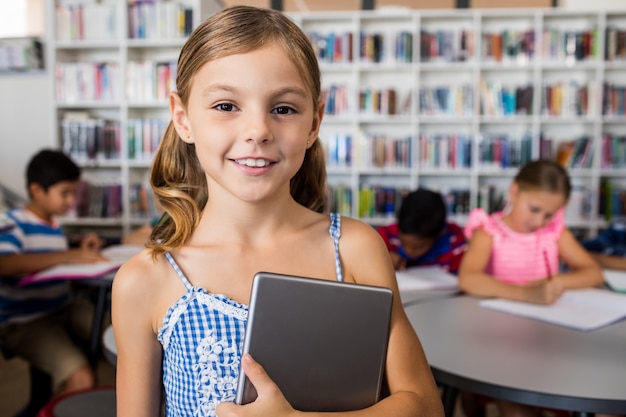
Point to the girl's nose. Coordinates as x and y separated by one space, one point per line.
257 127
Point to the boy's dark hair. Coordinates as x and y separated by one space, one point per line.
422 213
49 167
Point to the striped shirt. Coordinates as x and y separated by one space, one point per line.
30 234
519 258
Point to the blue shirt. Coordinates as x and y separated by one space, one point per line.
27 233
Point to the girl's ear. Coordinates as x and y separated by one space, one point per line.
318 115
179 118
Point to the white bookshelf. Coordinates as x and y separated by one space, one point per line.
469 71
420 123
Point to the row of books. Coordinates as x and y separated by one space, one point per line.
97 200
379 47
332 47
445 151
336 98
613 151
611 199
150 19
382 151
615 39
447 45
504 151
79 21
500 100
142 202
455 100
574 153
338 150
149 81
510 46
570 45
87 81
568 98
85 138
613 99
379 101
144 136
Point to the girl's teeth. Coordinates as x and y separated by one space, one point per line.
251 162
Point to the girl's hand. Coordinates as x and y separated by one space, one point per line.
545 291
270 400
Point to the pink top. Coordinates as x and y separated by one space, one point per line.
518 258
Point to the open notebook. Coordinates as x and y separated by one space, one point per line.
117 255
581 309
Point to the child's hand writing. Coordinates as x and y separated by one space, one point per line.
270 400
399 263
85 256
92 242
545 291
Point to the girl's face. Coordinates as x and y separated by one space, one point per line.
251 118
532 209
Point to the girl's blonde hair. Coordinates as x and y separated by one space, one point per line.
544 175
177 178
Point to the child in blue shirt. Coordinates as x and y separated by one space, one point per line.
35 319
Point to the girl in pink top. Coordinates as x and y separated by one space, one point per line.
515 254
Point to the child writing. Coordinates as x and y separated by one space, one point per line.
240 174
515 254
422 236
35 319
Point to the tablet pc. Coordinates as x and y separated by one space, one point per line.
324 343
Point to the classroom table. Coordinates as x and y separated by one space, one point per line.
523 360
109 347
103 288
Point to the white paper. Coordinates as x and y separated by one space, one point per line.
116 255
615 279
581 309
426 278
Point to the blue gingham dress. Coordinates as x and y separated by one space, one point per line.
202 338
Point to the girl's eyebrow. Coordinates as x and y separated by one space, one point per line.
298 91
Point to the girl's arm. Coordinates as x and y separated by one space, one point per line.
474 281
585 272
472 277
609 261
138 370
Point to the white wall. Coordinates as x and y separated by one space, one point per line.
25 122
593 5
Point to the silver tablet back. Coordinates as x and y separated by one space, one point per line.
323 342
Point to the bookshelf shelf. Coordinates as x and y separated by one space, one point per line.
452 100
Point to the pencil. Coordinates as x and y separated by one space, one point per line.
547 262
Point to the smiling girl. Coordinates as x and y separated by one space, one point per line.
240 174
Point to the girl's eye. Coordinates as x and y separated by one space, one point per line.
283 110
225 107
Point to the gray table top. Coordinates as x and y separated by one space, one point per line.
523 360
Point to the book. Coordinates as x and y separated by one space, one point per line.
615 279
426 278
425 282
117 255
580 309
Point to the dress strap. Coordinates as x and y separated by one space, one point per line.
335 232
178 271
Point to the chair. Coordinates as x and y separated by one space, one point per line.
40 387
93 402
